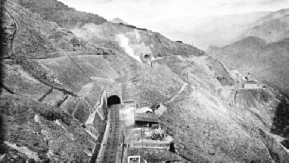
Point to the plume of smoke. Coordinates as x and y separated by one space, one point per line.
86 31
90 30
80 33
124 43
93 28
137 35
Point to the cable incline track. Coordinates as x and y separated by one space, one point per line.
110 154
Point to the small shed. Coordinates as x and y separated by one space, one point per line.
146 119
251 85
144 110
133 159
129 103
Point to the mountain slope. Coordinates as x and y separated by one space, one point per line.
240 52
269 26
274 15
60 13
35 131
208 31
69 71
272 28
202 101
265 62
223 30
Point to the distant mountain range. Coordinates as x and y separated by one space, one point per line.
269 26
224 30
209 31
262 49
272 28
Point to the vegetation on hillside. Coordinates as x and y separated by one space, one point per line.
64 16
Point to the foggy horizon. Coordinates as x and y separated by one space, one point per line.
144 13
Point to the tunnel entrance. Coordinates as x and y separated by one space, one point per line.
112 100
146 56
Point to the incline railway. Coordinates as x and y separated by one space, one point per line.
111 147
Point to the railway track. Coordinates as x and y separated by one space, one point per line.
111 147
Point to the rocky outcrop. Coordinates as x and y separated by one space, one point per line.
35 131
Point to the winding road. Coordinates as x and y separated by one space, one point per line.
177 94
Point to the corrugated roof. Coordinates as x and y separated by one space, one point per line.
146 117
250 82
128 101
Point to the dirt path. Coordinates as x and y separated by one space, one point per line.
177 94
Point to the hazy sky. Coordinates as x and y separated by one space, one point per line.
175 19
137 11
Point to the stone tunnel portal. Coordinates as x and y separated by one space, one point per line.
112 100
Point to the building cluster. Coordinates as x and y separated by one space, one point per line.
147 132
247 82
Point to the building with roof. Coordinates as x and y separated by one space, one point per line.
251 85
146 119
143 110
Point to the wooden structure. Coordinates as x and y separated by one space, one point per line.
146 119
129 103
251 85
133 159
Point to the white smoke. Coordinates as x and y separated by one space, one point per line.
137 35
87 31
124 43
90 31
